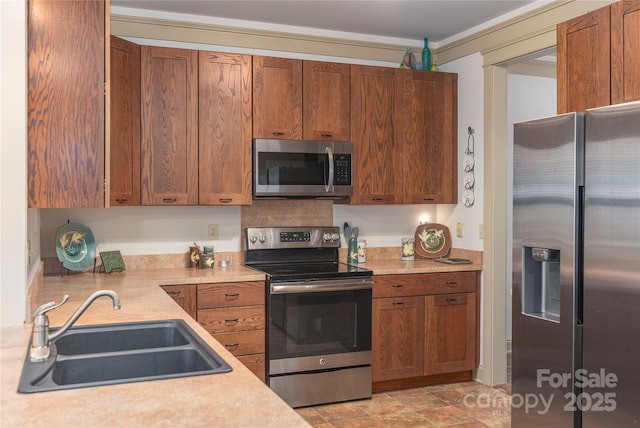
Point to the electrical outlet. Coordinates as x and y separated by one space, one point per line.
459 229
481 231
213 232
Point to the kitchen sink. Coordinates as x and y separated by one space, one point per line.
111 354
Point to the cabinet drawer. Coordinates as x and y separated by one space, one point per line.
227 320
226 294
450 299
423 283
243 343
255 363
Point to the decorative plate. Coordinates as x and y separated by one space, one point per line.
432 240
75 246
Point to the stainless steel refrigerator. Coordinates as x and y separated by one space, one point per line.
576 270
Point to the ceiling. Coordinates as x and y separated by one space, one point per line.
405 19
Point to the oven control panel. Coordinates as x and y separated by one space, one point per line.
292 237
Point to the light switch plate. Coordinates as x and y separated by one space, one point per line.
459 229
213 232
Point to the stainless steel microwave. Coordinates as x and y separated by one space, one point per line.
303 169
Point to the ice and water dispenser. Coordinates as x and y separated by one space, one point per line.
541 283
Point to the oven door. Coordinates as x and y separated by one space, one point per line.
317 325
302 168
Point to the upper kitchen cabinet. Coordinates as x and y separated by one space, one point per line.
125 123
68 49
169 137
598 64
625 49
430 143
376 112
277 98
225 99
326 104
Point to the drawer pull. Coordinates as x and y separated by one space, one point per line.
169 200
452 300
327 135
278 134
232 295
452 282
231 321
226 200
231 345
121 200
398 286
377 199
173 293
398 303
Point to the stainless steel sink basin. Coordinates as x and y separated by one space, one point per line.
121 353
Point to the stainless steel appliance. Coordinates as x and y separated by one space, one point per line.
303 169
318 315
576 269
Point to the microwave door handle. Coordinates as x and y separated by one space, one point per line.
328 186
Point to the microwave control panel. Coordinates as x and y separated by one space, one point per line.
342 169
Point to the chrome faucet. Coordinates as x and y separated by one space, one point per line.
40 337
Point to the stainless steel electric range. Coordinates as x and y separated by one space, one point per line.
318 332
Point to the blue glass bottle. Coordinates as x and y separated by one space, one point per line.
426 55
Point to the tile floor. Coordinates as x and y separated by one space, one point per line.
468 404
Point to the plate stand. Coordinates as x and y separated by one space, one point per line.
62 268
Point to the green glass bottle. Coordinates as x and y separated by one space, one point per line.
426 55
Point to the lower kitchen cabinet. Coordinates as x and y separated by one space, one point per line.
233 313
425 328
185 296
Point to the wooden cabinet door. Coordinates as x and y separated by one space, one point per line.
169 145
277 98
429 127
326 102
625 51
583 45
450 333
375 131
185 296
124 180
66 103
397 341
225 99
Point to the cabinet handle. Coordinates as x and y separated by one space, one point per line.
428 199
231 322
231 345
398 286
451 300
173 293
377 199
231 295
326 135
451 283
398 303
278 134
169 200
121 200
225 200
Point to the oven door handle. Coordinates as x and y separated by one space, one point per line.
320 286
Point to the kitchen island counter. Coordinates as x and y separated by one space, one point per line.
235 399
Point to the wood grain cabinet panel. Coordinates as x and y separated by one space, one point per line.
243 343
124 180
227 320
430 142
625 51
255 363
185 296
450 333
277 99
66 103
583 68
231 294
326 102
225 126
424 283
169 146
397 338
376 111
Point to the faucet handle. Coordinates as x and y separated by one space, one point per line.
43 309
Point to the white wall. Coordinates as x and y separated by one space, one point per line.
13 164
470 114
529 97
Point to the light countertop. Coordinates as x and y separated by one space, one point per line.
235 399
